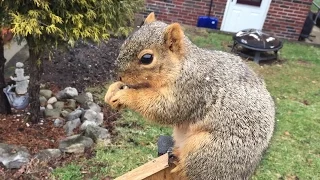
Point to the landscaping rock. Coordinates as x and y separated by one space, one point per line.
64 113
47 154
71 125
75 148
98 133
89 115
89 96
93 106
46 93
99 119
52 100
49 106
75 143
43 101
69 110
67 93
61 95
71 104
58 105
83 98
71 92
74 115
58 122
12 156
85 124
54 113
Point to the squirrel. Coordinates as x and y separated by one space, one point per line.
222 114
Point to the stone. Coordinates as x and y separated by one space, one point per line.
64 113
99 120
52 100
71 92
98 133
47 154
75 143
12 156
67 93
58 105
49 106
75 148
58 122
46 93
89 96
43 101
71 104
93 106
69 110
71 125
83 98
74 115
89 115
53 113
85 124
61 95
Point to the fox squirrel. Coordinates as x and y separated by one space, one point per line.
221 112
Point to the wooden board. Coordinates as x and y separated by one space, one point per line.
157 169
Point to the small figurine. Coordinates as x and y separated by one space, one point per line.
17 94
22 81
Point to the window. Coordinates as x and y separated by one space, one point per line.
250 2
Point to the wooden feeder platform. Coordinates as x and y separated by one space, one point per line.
157 169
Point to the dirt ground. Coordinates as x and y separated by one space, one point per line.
84 66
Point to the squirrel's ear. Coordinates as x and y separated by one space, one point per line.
174 38
151 18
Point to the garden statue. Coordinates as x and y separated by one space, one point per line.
21 80
17 94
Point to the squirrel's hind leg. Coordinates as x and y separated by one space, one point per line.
192 143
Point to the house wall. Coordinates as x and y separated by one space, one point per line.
185 11
285 18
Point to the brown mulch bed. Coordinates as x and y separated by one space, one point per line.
83 66
36 137
14 130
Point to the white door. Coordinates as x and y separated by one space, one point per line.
244 14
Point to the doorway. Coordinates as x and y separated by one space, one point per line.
244 14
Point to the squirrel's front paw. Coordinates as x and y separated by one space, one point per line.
115 95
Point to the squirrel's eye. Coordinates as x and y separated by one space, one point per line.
146 59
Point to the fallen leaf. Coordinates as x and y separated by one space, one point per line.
305 102
286 133
20 172
292 177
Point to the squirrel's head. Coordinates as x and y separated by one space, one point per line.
152 55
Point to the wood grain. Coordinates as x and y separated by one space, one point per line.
157 169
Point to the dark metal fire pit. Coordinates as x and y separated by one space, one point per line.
256 45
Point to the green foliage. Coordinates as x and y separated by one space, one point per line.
52 22
297 51
73 173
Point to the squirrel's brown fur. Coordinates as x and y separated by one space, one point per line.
222 114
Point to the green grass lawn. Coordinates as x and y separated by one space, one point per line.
313 7
295 148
